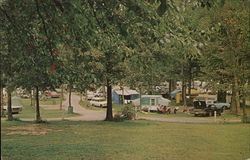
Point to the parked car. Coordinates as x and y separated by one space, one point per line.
98 102
90 96
52 94
222 106
25 96
16 105
201 109
93 95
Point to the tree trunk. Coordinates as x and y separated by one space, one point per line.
233 107
237 96
70 87
61 101
244 117
109 114
31 99
140 90
123 99
184 89
173 84
189 81
38 117
170 86
10 117
1 100
70 107
221 96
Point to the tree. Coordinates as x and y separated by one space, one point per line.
34 53
227 58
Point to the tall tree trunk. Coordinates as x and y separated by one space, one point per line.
184 89
1 99
173 84
38 117
221 96
31 98
10 117
140 90
109 114
170 86
70 107
189 81
233 104
61 100
123 99
237 96
244 116
70 87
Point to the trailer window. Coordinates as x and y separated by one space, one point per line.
152 102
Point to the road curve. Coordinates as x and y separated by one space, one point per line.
84 114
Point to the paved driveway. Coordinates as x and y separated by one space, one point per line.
84 114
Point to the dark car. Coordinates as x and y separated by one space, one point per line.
54 95
201 109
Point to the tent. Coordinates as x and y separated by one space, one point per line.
128 96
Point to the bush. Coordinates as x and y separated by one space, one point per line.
129 112
245 119
118 117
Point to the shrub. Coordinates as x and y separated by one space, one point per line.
128 112
245 119
118 117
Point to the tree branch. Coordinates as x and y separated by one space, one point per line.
44 27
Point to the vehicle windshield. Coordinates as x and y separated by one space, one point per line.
199 104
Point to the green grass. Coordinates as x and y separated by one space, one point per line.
129 140
29 112
49 101
226 116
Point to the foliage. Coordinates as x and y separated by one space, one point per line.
128 112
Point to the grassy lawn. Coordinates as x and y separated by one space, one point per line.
51 101
29 112
225 115
129 140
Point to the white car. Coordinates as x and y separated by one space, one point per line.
16 105
217 105
15 109
98 102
